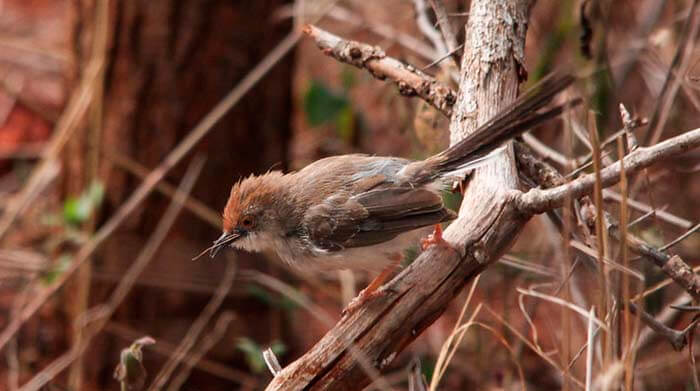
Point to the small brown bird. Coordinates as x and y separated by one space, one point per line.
361 212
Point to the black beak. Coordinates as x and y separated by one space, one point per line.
224 240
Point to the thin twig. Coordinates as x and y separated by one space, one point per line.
673 266
272 362
442 58
675 75
447 32
385 31
539 201
679 239
192 204
208 342
591 347
642 207
684 276
196 329
563 303
426 27
676 338
529 344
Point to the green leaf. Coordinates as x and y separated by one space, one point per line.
323 105
278 348
254 353
345 122
427 367
58 268
130 371
78 210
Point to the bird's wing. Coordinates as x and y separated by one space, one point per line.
372 217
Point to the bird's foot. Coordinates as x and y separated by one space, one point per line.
434 239
361 299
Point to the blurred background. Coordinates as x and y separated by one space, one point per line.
98 102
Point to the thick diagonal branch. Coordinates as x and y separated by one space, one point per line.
487 226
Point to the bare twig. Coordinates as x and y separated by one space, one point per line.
534 348
678 339
675 75
408 79
196 329
195 206
208 342
547 177
384 30
538 201
548 153
563 303
447 33
679 239
440 59
642 207
672 266
426 27
591 348
271 361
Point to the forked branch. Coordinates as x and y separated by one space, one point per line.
493 211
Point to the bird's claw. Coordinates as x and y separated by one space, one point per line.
433 239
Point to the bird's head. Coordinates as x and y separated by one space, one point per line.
251 214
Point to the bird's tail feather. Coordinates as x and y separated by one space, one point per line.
476 149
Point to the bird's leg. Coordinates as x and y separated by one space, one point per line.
373 289
434 238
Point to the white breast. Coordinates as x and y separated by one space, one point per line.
369 258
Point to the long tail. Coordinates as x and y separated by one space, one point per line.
511 122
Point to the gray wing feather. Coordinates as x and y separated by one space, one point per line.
372 217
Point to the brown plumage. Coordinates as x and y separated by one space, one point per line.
355 211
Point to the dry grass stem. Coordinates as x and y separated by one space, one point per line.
125 285
196 329
563 303
208 342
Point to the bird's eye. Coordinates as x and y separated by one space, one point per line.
247 222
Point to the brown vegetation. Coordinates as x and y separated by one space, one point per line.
115 115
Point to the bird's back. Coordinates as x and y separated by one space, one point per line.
354 173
